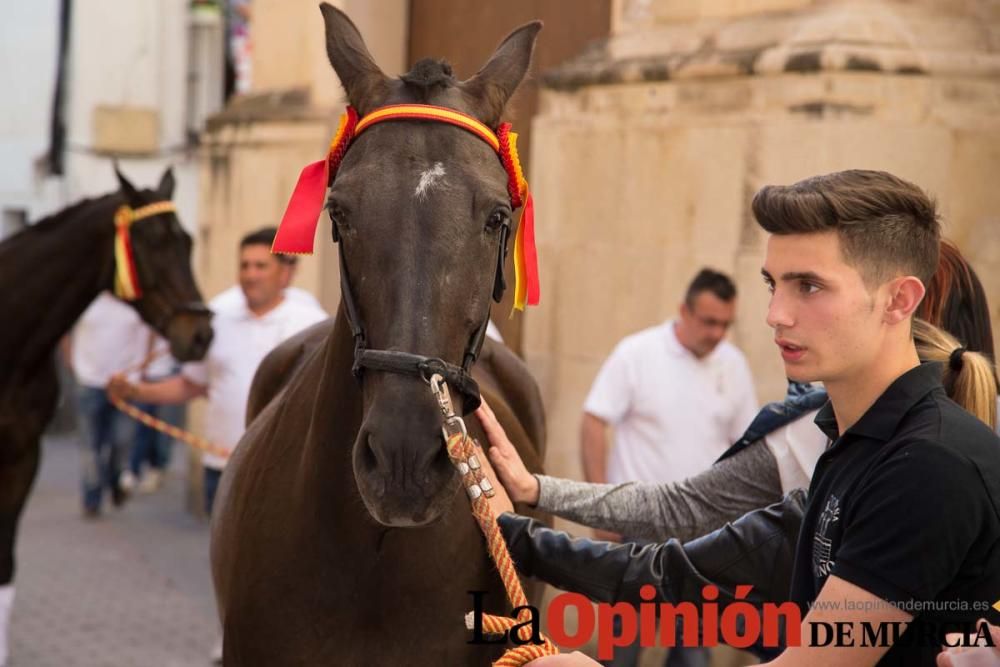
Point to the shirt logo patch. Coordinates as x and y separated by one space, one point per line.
822 557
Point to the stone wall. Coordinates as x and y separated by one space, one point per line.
649 148
254 149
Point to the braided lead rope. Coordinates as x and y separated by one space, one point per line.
462 454
143 417
460 448
188 438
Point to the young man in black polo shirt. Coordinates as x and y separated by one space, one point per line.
902 527
903 518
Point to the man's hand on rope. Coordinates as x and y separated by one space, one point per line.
120 388
515 477
500 502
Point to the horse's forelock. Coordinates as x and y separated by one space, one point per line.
427 77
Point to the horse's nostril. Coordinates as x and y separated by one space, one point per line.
201 340
368 454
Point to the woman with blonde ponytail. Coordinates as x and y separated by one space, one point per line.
970 378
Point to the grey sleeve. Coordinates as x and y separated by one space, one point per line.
683 510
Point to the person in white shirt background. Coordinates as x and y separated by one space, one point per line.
244 334
107 338
677 395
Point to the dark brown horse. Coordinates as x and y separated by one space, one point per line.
341 535
49 274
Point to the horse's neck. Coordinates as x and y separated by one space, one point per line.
340 387
332 391
51 273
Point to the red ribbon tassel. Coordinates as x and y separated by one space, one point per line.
297 230
298 225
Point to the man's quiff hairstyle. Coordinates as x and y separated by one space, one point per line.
887 226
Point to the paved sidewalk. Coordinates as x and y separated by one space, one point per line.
130 589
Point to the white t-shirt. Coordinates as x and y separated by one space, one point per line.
493 332
232 299
241 342
673 413
796 447
108 338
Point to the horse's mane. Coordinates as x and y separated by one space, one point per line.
427 76
74 210
52 221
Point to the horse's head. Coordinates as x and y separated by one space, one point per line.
168 298
422 211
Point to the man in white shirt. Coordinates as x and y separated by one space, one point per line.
677 395
107 338
244 334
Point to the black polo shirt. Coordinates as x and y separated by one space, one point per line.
906 505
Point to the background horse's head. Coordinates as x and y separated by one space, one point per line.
170 301
419 208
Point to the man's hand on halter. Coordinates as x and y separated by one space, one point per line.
500 502
516 479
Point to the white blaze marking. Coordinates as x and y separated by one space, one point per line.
429 178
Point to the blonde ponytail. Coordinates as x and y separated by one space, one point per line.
969 377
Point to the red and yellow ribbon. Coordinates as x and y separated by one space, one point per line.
298 225
126 284
431 113
526 287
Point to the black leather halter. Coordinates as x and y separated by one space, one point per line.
406 363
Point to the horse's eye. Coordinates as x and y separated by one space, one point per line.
337 214
498 219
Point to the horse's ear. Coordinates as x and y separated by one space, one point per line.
166 187
364 82
492 86
131 194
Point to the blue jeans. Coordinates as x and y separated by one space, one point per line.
210 484
152 447
145 449
106 434
175 415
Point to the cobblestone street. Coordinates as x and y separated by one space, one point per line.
130 589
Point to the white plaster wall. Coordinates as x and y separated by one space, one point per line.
28 36
130 54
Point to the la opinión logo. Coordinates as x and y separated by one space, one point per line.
741 624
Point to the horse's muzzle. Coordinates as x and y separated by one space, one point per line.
404 480
190 336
